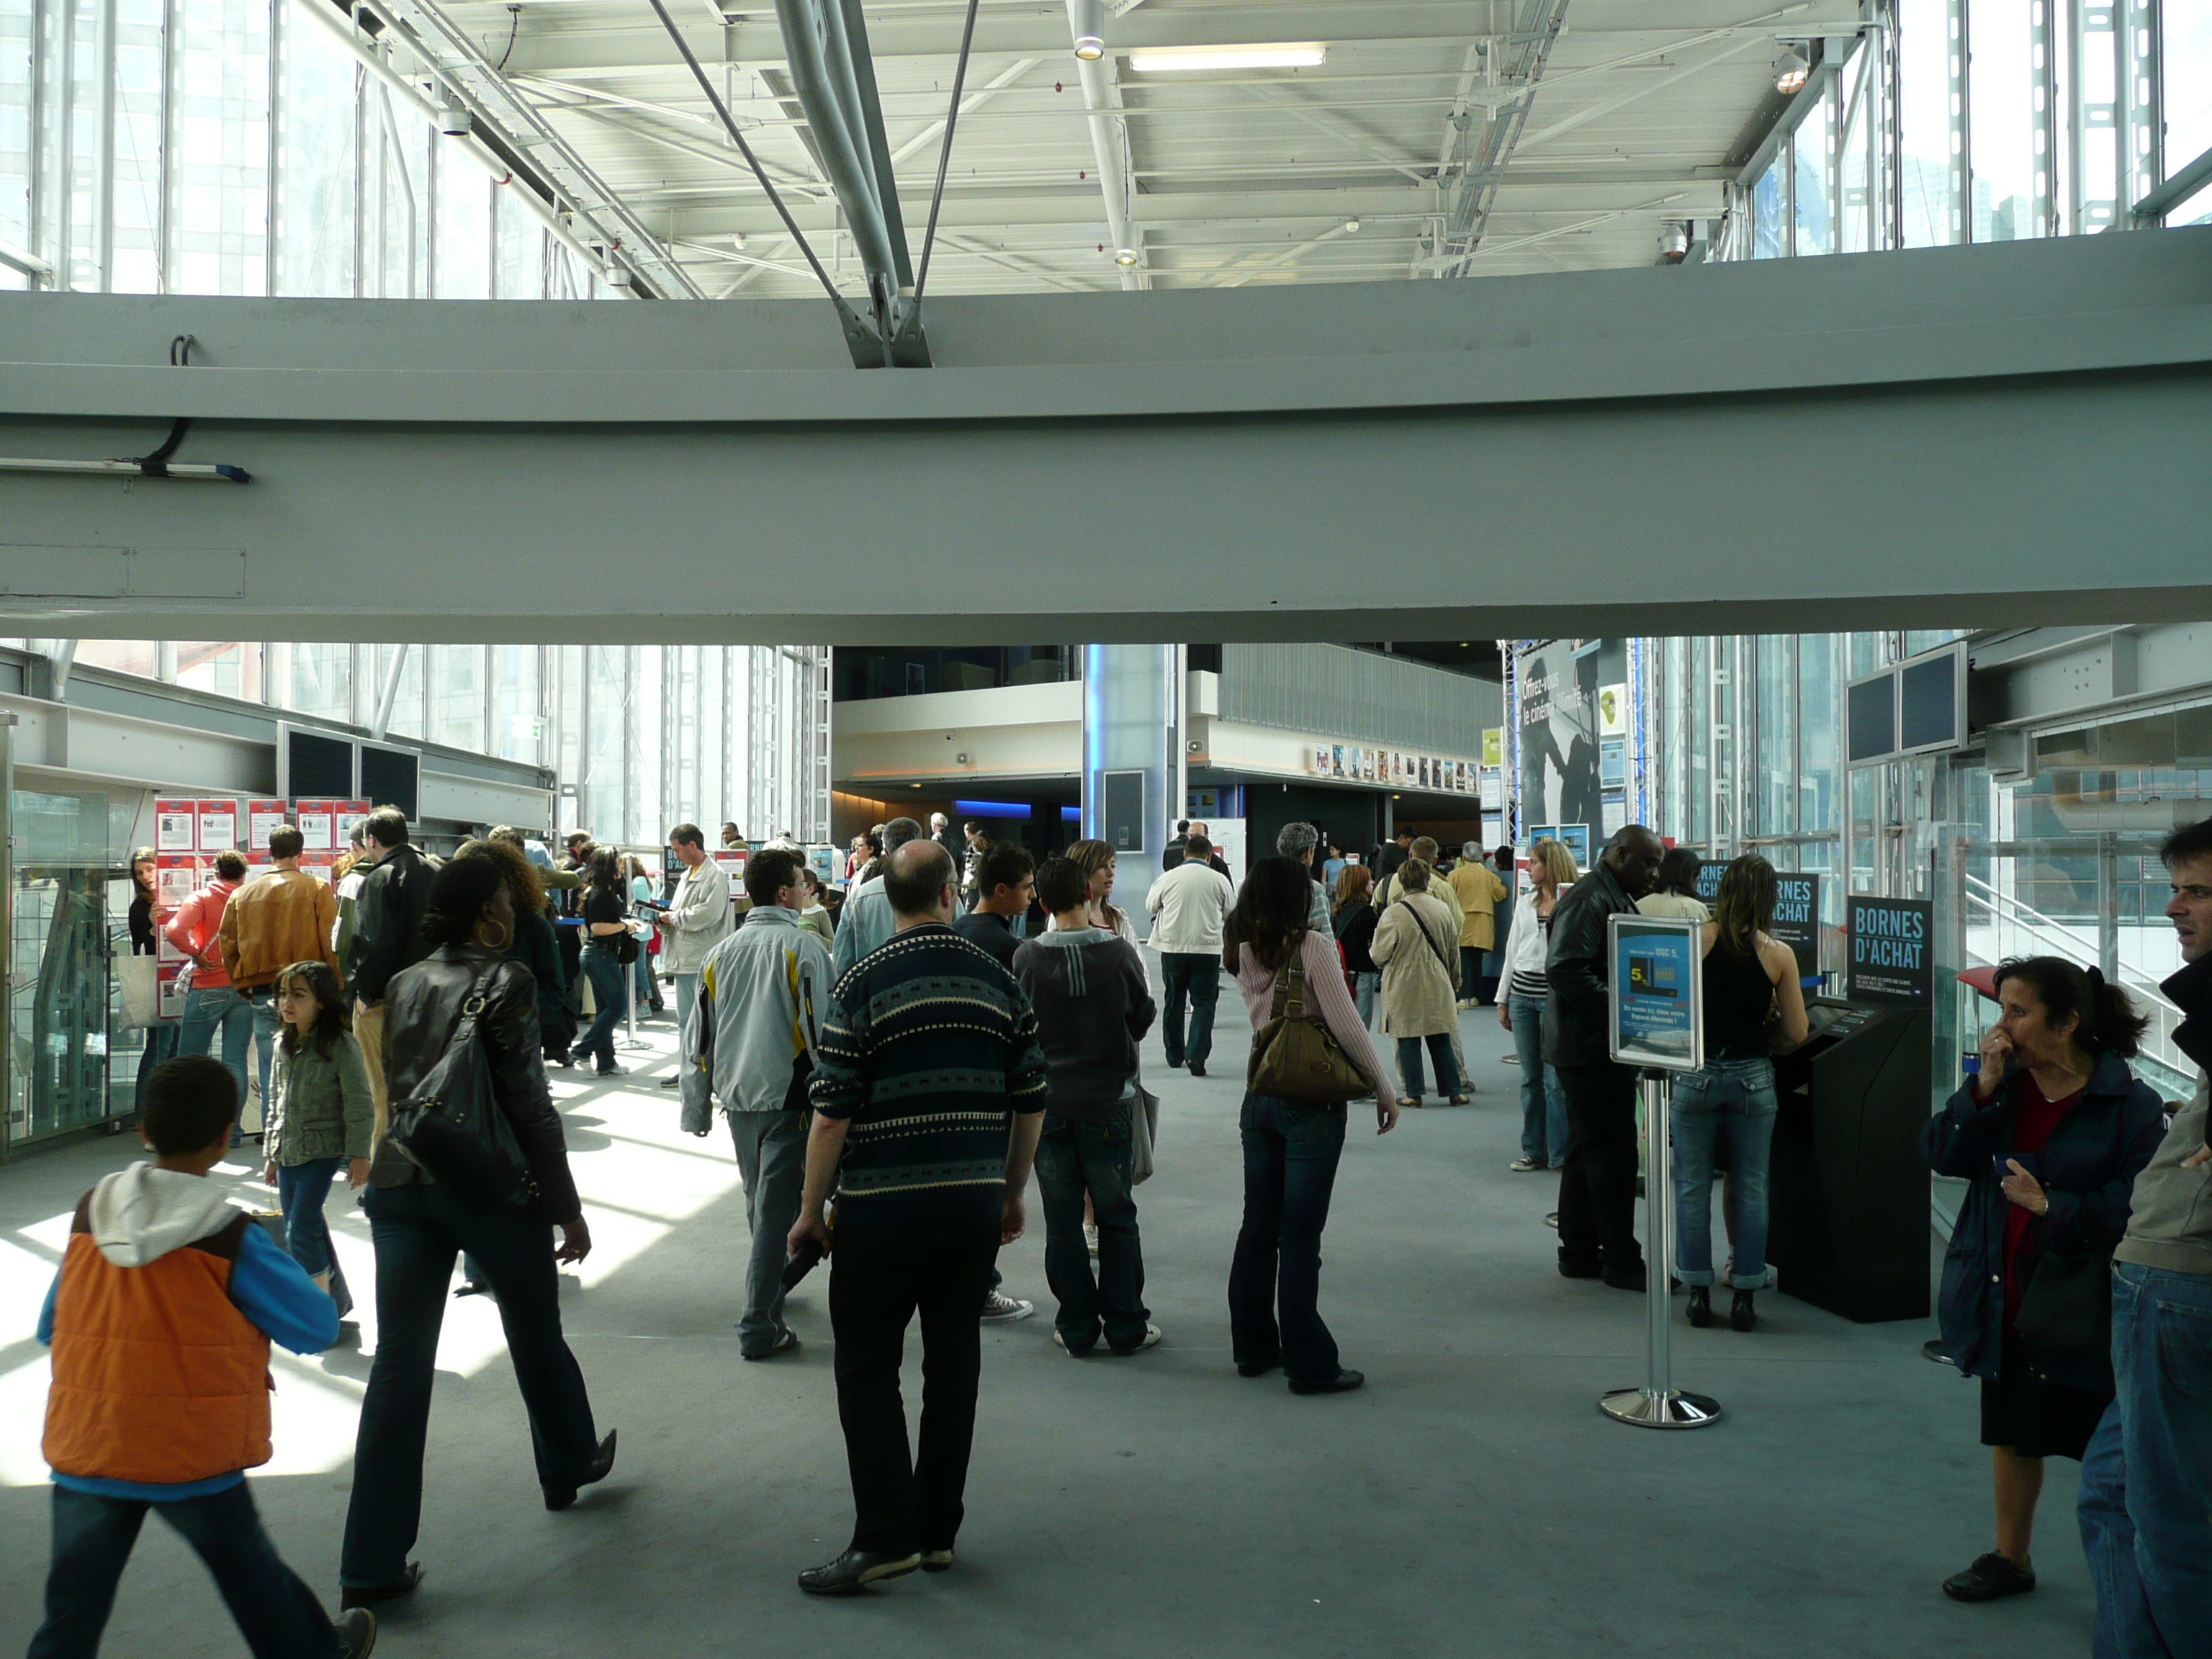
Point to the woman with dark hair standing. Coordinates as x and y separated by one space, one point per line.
420 1226
1354 918
1750 983
161 1034
535 946
1675 890
2052 1131
1290 1148
606 918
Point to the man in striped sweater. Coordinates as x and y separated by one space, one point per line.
928 1092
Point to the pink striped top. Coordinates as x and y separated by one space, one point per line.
1327 995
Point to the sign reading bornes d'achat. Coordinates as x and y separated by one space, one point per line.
1892 950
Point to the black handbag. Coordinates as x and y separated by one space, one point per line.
2066 1312
453 1128
626 948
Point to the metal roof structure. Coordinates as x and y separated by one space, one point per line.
1401 139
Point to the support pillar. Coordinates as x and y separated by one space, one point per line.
1131 745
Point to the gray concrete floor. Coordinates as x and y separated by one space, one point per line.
1471 1500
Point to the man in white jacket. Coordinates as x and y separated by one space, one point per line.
695 921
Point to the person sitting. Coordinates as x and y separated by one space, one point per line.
1092 1006
159 1320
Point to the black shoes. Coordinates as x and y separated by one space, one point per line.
1576 1268
1256 1367
357 1629
1342 1383
603 1463
855 1570
1701 1306
1992 1577
1630 1276
1197 1070
368 1596
1742 1315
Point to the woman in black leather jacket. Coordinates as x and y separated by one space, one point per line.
419 1227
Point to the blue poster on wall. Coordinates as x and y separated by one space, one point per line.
1656 991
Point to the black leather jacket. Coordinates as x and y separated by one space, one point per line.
422 1007
387 932
1576 1017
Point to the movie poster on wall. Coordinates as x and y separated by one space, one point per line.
1556 693
218 831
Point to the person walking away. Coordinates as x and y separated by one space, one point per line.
1521 1006
1093 1007
160 1034
276 920
925 1129
1006 884
606 919
2052 1131
1750 984
1290 1148
1189 906
320 1116
1675 890
2146 1503
761 993
387 937
160 1320
867 921
347 875
1493 960
212 1005
697 919
419 1226
1302 842
1598 1184
1440 890
1388 857
1476 885
956 846
1410 946
1353 922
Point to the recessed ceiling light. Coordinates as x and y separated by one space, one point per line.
1191 59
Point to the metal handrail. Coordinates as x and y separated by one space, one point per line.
2086 952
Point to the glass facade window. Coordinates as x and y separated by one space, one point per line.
407 710
517 730
1812 203
18 64
457 696
1770 211
2006 147
316 679
228 668
134 232
220 175
599 784
2185 43
318 87
1930 146
1820 740
1774 723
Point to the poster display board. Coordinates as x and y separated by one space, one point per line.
1656 991
176 826
1890 958
1796 911
317 823
262 819
350 812
218 827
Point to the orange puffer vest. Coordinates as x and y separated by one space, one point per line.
158 1378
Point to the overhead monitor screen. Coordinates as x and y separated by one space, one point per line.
391 777
318 767
1873 717
1927 703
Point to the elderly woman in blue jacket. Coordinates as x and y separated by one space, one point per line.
2051 1131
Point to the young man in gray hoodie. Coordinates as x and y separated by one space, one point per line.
1092 1004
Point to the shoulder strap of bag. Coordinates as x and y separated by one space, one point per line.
473 1006
1289 973
1422 929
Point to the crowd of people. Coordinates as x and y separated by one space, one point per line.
893 1061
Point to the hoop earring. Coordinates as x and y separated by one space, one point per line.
505 938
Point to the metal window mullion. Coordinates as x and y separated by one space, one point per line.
270 193
103 201
2143 96
430 219
66 130
1833 162
2044 87
1962 217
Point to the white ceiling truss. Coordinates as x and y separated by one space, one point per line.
1439 137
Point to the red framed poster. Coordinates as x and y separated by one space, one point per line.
317 822
175 876
262 819
176 826
218 826
350 812
318 864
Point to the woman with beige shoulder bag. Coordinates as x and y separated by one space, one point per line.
1310 1054
1419 1000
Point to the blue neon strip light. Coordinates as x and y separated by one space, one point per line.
994 808
1070 815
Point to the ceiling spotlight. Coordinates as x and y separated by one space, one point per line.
1673 242
1791 71
1125 257
1194 60
1351 225
453 120
1089 48
617 274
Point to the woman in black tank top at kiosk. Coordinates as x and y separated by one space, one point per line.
1751 989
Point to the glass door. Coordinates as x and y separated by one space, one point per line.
59 965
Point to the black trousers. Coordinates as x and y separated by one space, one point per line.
880 1277
1598 1184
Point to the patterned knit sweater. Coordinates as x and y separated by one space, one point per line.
928 1046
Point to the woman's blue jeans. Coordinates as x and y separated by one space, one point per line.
1290 1153
219 1009
1543 1102
609 1003
1366 991
1734 1098
161 1045
300 1190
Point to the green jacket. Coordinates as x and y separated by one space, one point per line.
322 1107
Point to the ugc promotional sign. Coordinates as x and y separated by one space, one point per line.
1656 991
1892 951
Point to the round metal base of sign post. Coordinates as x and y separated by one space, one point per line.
1643 1408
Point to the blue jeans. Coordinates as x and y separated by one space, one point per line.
278 1616
220 1009
1072 1159
1195 978
2146 1505
1291 1154
608 1006
1734 1097
261 999
300 1190
641 976
161 1045
1409 1065
418 1231
1366 992
1543 1102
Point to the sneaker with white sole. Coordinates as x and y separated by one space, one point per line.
1151 1341
1000 1309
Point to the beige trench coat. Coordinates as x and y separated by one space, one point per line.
1421 997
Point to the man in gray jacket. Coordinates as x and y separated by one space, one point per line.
696 919
750 1044
2146 1503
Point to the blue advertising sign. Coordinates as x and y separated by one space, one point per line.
1658 992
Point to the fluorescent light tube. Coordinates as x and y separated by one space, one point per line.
1189 59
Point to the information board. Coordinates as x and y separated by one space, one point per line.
218 830
1576 838
1656 991
350 812
317 822
262 819
176 826
1796 911
1890 957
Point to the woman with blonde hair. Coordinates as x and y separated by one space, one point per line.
1521 1006
1095 859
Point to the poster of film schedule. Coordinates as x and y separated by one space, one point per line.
189 836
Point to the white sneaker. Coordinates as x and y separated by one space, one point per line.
1000 1309
1151 1341
1090 1238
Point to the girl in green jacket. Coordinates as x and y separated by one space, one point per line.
322 1116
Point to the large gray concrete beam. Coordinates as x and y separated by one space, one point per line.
2001 435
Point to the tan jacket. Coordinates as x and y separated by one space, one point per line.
1412 942
275 921
1479 890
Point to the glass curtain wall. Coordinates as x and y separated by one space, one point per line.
1988 121
239 147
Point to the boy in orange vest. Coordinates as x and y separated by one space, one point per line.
159 1321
